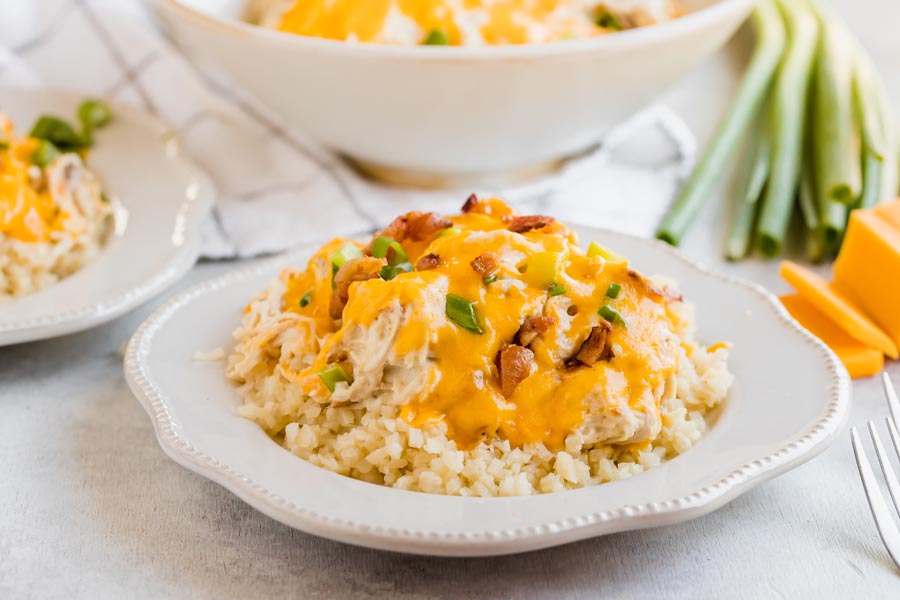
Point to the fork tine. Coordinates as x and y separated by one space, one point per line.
893 403
895 436
884 521
886 467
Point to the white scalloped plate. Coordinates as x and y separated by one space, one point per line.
161 199
789 402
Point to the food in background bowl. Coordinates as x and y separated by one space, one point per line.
53 214
483 354
444 22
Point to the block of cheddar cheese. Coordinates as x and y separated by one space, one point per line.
860 360
867 269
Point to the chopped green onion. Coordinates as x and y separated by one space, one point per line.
45 153
449 231
60 133
389 272
385 247
4 141
595 249
489 279
305 300
462 312
436 37
610 314
94 114
613 290
348 252
607 20
333 375
557 290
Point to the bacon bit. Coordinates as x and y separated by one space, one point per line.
664 291
596 346
415 226
471 202
427 262
529 222
515 366
486 264
357 269
532 328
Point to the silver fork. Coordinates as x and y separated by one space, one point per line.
881 510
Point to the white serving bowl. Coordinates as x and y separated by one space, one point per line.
448 114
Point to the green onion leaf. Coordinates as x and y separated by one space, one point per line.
610 314
385 247
489 279
462 312
305 300
348 252
45 153
613 290
558 289
436 37
595 249
60 133
389 272
333 375
449 231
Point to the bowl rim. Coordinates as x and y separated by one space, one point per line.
685 25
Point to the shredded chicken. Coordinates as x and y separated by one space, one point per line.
516 364
427 262
532 328
485 264
596 346
357 269
528 222
415 226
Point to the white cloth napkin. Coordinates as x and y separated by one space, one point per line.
277 188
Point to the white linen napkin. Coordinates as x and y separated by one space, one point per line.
277 188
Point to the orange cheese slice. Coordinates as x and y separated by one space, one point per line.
830 301
860 360
867 271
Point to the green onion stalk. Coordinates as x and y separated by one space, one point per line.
770 44
787 118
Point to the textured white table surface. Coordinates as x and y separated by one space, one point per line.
91 508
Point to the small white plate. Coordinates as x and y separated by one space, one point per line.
789 401
161 198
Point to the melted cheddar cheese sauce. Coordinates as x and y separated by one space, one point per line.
463 388
27 210
461 22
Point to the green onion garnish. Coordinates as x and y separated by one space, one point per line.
607 20
305 300
389 272
595 249
94 114
385 247
489 279
60 133
558 289
333 375
348 252
449 231
613 290
610 314
436 37
462 312
45 153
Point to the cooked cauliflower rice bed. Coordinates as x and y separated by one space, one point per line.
483 354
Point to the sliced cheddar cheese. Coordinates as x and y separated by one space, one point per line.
860 360
867 271
833 303
889 211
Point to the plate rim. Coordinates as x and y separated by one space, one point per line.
192 210
814 440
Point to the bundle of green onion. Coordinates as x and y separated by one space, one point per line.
822 139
